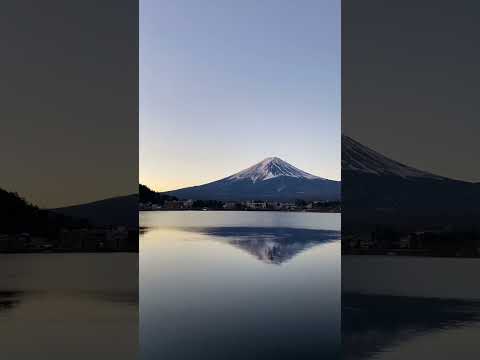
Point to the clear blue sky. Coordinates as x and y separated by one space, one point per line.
224 84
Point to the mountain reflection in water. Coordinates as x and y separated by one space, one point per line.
239 285
270 245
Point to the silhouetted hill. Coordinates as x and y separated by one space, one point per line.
17 215
148 195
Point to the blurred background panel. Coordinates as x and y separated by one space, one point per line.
70 109
69 179
410 184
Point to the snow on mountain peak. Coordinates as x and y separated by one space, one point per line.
359 158
270 168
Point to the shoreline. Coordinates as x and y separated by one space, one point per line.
251 210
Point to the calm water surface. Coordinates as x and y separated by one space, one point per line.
68 306
239 285
410 308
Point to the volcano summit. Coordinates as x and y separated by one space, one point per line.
271 179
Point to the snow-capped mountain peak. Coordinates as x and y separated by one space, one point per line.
270 168
361 159
272 179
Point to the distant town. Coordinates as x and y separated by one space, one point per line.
84 239
150 200
259 205
446 241
27 228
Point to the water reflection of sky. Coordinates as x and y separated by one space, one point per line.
388 327
270 245
208 289
69 306
410 307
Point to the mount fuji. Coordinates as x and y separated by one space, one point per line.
374 185
357 158
271 179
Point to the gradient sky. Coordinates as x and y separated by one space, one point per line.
224 84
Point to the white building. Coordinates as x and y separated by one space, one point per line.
256 205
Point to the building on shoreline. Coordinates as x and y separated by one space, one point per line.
262 205
256 205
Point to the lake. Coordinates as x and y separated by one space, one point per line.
401 307
239 285
69 306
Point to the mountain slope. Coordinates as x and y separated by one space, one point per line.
375 186
361 159
17 216
271 179
122 210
